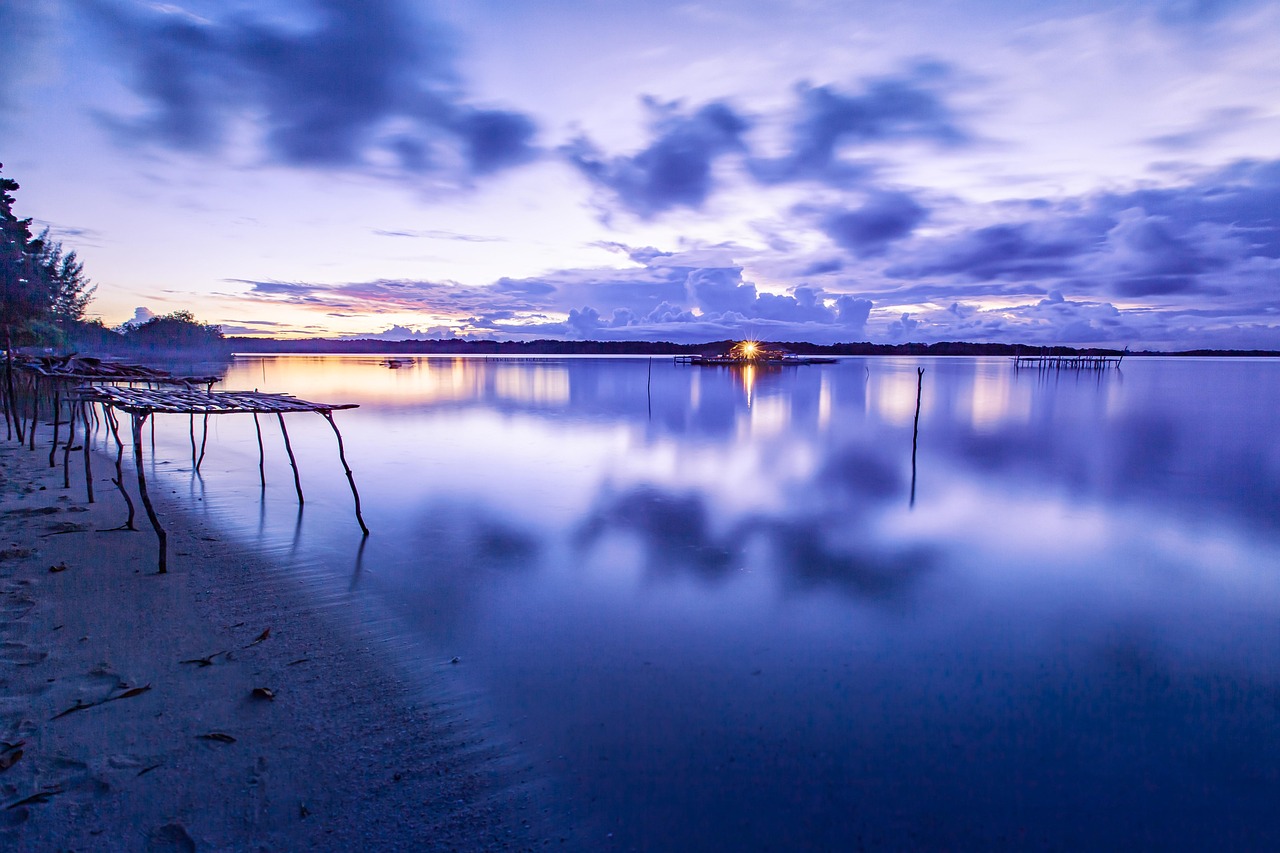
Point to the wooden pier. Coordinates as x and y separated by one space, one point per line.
83 387
1068 362
143 403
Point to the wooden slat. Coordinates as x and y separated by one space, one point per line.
191 400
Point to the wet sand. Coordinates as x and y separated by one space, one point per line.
128 712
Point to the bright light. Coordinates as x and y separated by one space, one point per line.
748 348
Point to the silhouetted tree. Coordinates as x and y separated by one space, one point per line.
69 291
24 296
176 330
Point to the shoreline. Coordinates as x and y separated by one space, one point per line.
101 696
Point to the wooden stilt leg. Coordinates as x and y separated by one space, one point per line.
297 481
142 490
88 454
328 416
204 441
262 458
57 422
119 479
66 449
35 411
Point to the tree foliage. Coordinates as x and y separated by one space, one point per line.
43 291
175 330
24 294
69 291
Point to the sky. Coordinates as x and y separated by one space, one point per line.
1080 173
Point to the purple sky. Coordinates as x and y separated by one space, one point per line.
1054 172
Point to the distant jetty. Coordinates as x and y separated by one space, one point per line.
1068 362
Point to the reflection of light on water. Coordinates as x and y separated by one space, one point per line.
995 399
748 375
824 401
892 396
771 415
542 384
360 379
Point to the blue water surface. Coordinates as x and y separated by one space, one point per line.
728 609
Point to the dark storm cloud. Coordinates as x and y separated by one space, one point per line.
869 229
906 107
353 81
675 170
1014 251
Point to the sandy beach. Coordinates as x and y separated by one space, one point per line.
212 708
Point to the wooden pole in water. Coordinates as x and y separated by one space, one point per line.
193 438
297 481
328 416
142 489
88 466
119 478
915 433
262 457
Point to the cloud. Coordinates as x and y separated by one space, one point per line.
1015 251
675 170
905 107
436 234
347 83
673 297
884 218
1148 257
141 315
1212 127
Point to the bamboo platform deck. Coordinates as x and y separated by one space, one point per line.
143 403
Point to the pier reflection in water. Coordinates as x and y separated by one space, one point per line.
700 603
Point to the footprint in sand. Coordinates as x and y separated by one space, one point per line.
14 606
20 654
170 838
27 512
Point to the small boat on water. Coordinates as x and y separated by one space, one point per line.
397 363
752 353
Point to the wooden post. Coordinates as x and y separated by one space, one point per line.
328 416
193 438
66 448
119 478
57 417
35 408
262 457
142 488
915 433
88 454
204 441
297 481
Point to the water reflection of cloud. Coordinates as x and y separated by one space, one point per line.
674 529
685 532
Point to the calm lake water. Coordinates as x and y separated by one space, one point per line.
719 609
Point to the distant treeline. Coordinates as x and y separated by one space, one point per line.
555 347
